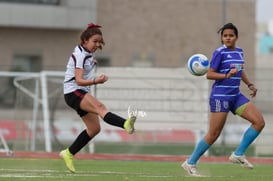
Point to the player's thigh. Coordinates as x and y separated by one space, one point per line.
217 120
253 115
92 105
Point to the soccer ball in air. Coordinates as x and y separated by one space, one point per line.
198 64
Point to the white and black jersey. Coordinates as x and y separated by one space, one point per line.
83 59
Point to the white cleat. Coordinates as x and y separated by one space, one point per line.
191 169
240 160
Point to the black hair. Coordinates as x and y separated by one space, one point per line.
228 26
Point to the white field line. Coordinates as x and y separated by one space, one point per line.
24 173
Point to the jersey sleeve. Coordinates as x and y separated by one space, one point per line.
79 60
215 60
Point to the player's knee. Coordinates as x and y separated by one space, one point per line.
261 124
94 131
97 130
101 107
212 137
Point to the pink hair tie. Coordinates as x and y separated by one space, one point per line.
92 25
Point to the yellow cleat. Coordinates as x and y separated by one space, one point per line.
68 159
129 124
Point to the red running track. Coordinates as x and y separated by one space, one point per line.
55 155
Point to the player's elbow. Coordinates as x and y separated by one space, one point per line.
208 76
80 82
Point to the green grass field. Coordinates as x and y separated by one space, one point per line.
105 170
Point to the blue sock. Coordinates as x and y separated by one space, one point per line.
199 150
248 137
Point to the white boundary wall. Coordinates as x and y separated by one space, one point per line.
172 98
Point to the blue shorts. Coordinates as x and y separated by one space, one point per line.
217 105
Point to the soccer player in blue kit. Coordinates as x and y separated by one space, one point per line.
79 76
227 69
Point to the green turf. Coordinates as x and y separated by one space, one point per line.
163 149
105 170
144 148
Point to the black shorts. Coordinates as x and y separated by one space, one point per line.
74 99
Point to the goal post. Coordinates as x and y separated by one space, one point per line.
38 92
45 103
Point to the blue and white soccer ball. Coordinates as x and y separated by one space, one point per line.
198 64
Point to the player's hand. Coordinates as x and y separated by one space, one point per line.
232 72
95 61
254 90
101 79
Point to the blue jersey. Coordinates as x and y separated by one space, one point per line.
223 60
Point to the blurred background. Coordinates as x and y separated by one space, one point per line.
148 43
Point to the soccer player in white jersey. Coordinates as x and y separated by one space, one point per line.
77 84
227 69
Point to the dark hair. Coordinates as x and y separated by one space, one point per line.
89 32
228 26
